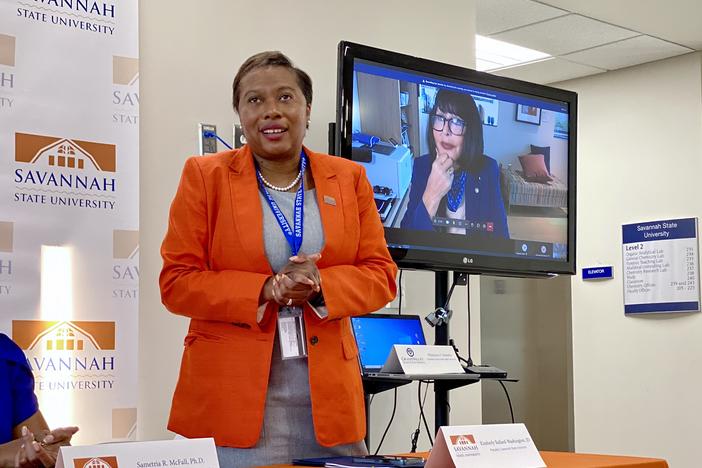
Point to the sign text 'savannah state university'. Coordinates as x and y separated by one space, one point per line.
69 191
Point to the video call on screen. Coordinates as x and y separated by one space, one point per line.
526 145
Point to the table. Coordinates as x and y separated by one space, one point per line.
580 460
584 460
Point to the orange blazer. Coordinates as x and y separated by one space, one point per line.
214 267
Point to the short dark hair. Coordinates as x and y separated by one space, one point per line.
462 105
270 59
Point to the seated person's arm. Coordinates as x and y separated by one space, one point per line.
34 444
8 452
31 443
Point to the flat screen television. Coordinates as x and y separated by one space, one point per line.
471 172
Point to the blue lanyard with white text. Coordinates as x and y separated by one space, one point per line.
292 235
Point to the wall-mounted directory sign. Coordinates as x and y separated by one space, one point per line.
661 266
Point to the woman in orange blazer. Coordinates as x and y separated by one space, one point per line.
218 270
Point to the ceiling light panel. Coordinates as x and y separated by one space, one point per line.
491 54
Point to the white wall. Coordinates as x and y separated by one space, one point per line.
636 379
189 53
526 330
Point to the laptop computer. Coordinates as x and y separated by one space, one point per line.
375 336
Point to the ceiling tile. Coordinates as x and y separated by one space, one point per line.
628 52
565 34
493 16
548 71
678 21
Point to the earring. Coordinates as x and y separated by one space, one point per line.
308 124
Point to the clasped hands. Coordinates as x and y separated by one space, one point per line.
296 283
42 451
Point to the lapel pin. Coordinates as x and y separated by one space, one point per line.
329 200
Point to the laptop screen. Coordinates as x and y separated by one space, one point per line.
376 333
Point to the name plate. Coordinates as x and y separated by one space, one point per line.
486 446
422 359
188 453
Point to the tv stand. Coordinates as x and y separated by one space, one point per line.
441 337
373 385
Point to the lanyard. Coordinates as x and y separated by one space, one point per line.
292 235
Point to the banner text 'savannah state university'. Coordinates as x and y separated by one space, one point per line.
69 223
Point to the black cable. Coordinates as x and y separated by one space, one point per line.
420 401
399 305
414 437
455 350
469 362
394 403
509 401
424 418
387 428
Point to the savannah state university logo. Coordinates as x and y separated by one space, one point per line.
463 444
7 74
68 355
125 266
463 439
125 90
64 172
6 248
96 462
88 16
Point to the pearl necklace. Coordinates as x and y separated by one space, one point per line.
281 189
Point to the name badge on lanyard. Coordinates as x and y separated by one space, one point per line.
291 328
291 333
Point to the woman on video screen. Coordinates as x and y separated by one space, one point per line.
455 187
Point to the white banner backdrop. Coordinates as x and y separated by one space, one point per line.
69 206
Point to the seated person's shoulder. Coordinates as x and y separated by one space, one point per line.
9 351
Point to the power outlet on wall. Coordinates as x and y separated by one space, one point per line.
206 139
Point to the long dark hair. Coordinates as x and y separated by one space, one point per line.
463 106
